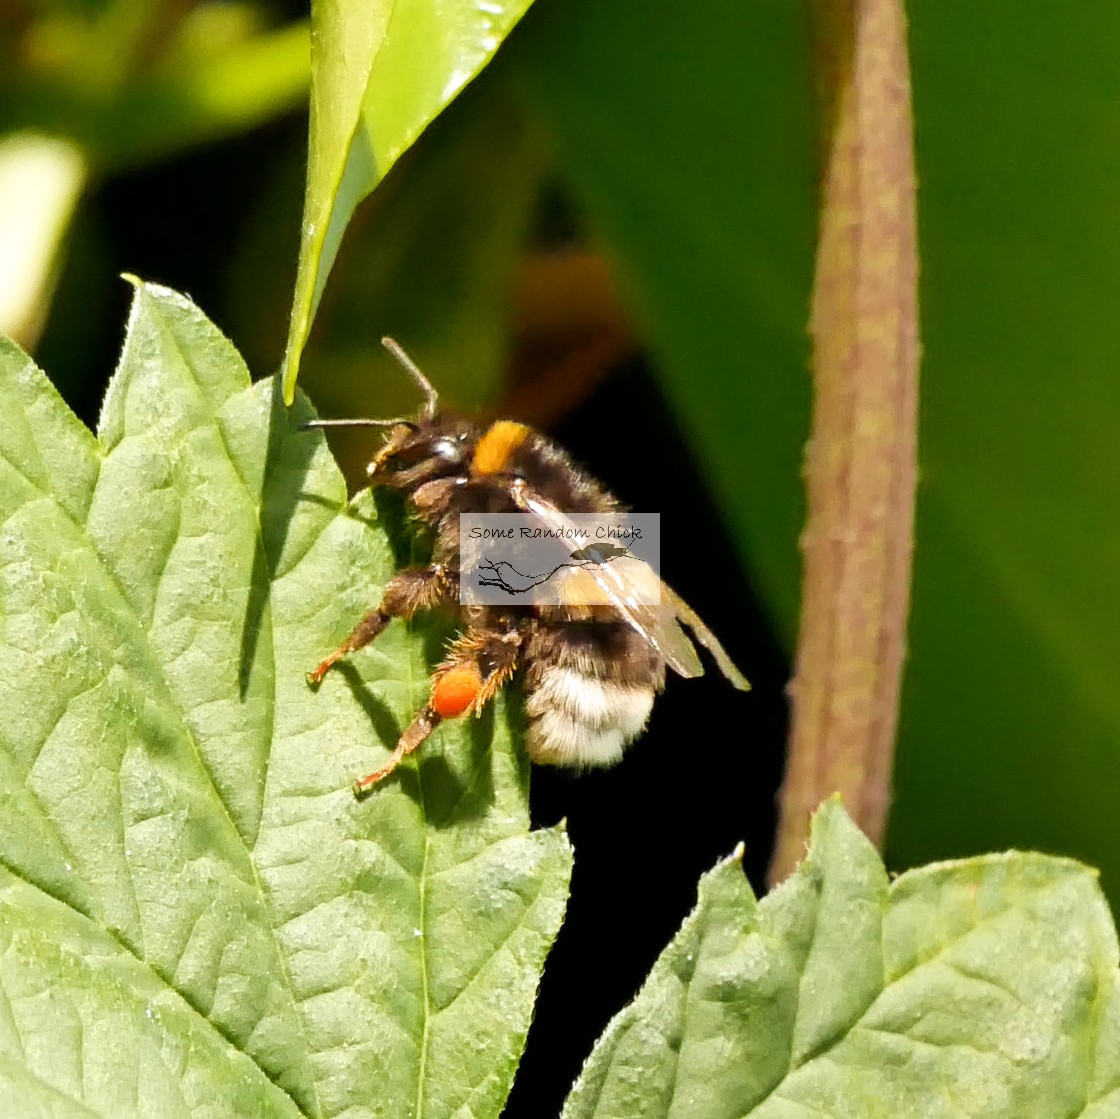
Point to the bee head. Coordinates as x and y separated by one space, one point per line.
433 447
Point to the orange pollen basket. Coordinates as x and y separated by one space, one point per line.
455 691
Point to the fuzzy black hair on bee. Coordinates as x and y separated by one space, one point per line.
590 673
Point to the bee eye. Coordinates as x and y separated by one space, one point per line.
448 449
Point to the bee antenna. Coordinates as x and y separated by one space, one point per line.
360 421
431 397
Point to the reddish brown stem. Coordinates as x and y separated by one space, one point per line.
860 461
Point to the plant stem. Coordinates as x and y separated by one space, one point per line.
860 464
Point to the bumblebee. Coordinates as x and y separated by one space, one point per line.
590 670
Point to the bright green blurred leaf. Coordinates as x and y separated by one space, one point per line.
985 988
1011 712
687 133
1010 728
131 93
380 72
198 917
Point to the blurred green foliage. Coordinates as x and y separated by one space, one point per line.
134 80
693 154
380 73
683 139
1011 715
696 167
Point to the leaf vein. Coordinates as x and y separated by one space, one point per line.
254 502
147 966
499 947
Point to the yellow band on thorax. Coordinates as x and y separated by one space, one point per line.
497 444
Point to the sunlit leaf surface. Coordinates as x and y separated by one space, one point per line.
983 988
196 916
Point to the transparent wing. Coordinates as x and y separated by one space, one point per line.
686 614
625 588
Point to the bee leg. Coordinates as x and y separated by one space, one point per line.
502 663
476 667
415 588
363 633
418 730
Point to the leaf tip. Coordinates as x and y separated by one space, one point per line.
288 379
830 814
830 804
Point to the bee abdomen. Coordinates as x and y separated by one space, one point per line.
583 720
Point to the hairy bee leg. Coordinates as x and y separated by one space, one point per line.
363 633
418 730
492 683
476 668
415 588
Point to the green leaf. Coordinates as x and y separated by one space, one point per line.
986 987
1010 726
431 260
198 917
380 72
453 228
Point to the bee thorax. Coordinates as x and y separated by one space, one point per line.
583 720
